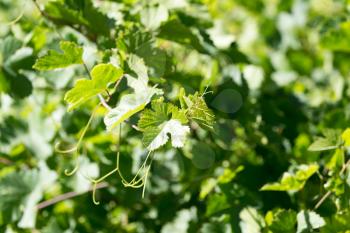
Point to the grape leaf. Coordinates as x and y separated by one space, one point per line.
174 30
132 103
292 181
153 16
143 45
102 75
251 220
156 137
163 119
199 112
72 54
14 188
330 141
281 221
79 12
309 220
8 47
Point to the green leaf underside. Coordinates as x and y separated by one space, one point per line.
174 30
322 144
72 54
330 141
102 75
15 186
199 112
292 181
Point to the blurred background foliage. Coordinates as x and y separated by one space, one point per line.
277 73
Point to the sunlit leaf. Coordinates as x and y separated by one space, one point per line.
102 75
308 221
330 141
162 120
281 221
132 103
292 181
198 111
71 54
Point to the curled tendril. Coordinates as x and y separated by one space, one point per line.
64 151
94 194
136 182
76 148
205 91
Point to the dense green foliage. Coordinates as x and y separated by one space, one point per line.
175 116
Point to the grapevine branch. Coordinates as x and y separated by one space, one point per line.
102 100
324 197
138 181
68 195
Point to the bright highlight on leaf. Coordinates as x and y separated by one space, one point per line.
308 221
346 137
292 181
162 120
102 75
72 54
135 102
177 131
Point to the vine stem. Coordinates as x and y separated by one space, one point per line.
324 197
68 195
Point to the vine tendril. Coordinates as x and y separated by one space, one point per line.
76 148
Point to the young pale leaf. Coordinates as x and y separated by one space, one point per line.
322 144
330 141
309 220
292 181
128 106
102 75
199 112
72 54
135 102
162 120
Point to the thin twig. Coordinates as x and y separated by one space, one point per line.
5 161
324 197
68 195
